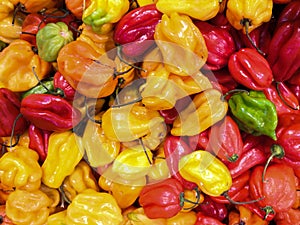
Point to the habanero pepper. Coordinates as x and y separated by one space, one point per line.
290 217
290 12
59 82
245 216
33 6
44 87
203 219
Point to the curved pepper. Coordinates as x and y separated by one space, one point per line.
17 69
6 6
244 215
20 169
10 32
92 207
76 7
34 6
44 87
51 38
290 12
62 158
59 82
203 219
208 172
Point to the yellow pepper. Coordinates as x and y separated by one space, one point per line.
124 191
58 218
151 62
248 15
6 6
101 12
156 136
209 173
200 9
28 207
183 218
133 163
8 31
206 109
62 158
92 207
129 122
20 169
181 44
22 141
81 179
54 196
138 217
17 61
146 2
192 198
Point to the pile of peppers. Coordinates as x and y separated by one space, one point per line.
120 112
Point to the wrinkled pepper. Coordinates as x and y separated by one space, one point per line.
59 82
77 7
50 112
51 38
20 169
62 158
10 32
254 113
17 69
6 6
200 167
244 216
136 216
203 219
290 217
34 6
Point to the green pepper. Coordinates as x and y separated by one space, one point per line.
254 113
51 38
42 88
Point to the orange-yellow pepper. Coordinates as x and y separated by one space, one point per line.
22 141
192 198
183 218
245 216
6 6
34 6
137 217
58 218
8 31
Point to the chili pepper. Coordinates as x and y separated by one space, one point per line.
6 7
206 109
62 158
3 217
57 218
192 165
49 112
183 218
290 12
255 208
203 10
290 217
94 207
135 28
278 191
20 169
199 141
54 196
51 38
219 43
284 57
250 69
10 32
59 82
254 113
162 199
10 111
101 12
175 148
76 7
33 6
137 216
30 26
245 216
45 87
203 219
226 140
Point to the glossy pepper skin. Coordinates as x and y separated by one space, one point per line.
250 69
203 219
34 6
44 87
50 112
162 199
9 112
10 32
244 215
59 82
254 113
291 12
137 26
200 167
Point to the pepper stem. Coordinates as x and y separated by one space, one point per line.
183 199
282 98
88 113
233 91
278 152
268 210
246 24
225 195
232 158
119 54
145 151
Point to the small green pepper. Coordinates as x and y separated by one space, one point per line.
51 38
42 88
254 113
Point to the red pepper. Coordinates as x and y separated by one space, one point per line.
295 88
175 148
135 29
250 68
49 112
9 111
199 141
291 12
290 217
212 209
225 140
60 82
219 42
277 192
284 54
38 141
202 219
255 208
162 199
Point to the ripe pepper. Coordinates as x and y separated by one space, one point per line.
206 109
10 32
226 140
250 69
136 216
6 6
33 6
245 216
77 7
3 217
92 207
20 169
203 219
28 207
201 10
183 218
254 113
51 38
200 167
182 56
9 112
57 218
26 60
101 12
135 28
290 217
62 158
50 112
80 179
59 82
290 12
44 87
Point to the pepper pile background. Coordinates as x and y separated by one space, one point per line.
150 112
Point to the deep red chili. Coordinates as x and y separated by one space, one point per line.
60 82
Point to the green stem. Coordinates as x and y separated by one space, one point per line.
233 91
225 195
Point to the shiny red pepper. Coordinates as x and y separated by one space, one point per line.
175 147
199 141
255 208
250 69
291 12
135 29
9 112
202 219
60 82
49 112
219 43
290 217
